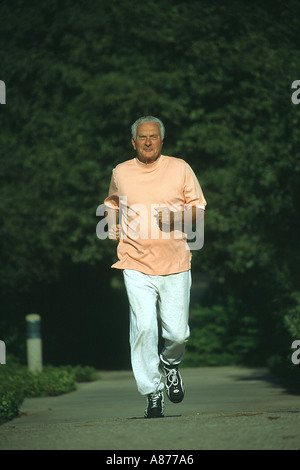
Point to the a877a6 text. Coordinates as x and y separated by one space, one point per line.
154 459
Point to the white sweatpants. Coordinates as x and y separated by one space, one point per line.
150 297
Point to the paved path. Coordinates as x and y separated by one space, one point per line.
224 408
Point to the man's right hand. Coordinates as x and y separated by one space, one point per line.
112 217
114 232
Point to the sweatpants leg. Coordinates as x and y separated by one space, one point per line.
170 294
174 301
142 296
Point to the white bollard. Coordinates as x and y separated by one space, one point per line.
34 342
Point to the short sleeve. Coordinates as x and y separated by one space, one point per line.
112 201
193 193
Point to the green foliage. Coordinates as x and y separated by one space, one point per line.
221 336
292 317
82 373
50 382
12 395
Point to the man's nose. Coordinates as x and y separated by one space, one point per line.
148 141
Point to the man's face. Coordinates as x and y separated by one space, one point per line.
148 142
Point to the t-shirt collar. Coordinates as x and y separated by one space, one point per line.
148 166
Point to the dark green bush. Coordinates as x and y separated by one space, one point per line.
18 383
83 373
52 381
220 336
11 398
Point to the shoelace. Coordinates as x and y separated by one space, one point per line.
155 397
172 377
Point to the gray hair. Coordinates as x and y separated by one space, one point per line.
147 119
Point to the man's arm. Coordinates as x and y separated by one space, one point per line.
180 220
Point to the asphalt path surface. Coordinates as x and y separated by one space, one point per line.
225 408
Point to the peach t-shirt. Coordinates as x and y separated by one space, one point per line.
136 189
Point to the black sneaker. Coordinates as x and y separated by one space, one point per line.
174 386
155 408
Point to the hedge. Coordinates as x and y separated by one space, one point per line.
18 383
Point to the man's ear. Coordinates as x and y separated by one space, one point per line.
133 143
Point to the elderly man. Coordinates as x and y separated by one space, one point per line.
155 197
